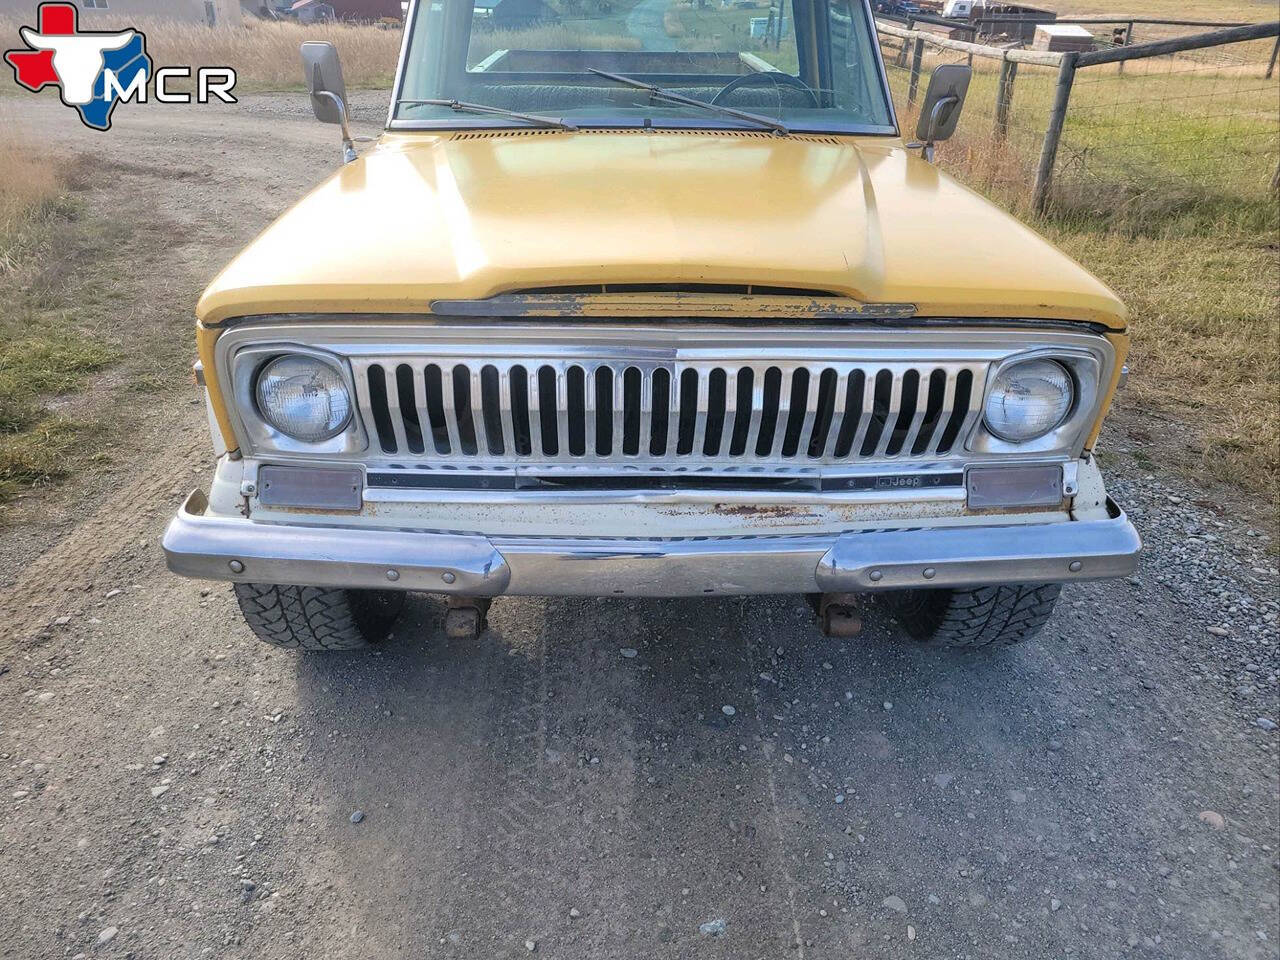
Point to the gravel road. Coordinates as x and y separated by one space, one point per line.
601 779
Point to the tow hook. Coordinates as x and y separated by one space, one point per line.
838 614
466 618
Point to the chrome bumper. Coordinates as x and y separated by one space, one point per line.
231 548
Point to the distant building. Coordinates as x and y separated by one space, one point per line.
1062 36
112 14
515 14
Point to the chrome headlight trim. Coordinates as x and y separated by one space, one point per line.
259 434
1086 368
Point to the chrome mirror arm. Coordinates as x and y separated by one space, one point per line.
926 148
348 144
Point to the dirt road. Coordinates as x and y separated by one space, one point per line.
174 788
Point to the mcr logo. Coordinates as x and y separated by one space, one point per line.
97 70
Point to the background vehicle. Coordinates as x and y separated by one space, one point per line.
634 317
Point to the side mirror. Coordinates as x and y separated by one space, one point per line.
323 69
943 101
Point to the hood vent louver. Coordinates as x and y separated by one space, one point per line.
649 131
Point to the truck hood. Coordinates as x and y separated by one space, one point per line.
472 215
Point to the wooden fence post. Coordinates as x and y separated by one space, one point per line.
1128 39
1275 52
1004 97
1053 133
902 54
916 56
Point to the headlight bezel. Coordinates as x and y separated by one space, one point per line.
1084 367
263 436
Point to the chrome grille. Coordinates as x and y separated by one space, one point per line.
469 410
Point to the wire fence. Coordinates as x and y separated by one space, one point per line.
1189 129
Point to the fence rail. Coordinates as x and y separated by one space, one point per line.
1219 87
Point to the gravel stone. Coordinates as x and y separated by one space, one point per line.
713 928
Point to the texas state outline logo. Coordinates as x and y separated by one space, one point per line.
96 70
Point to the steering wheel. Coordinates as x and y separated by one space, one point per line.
775 77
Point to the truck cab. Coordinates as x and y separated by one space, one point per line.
650 302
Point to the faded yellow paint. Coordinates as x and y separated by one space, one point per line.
424 218
1120 342
205 339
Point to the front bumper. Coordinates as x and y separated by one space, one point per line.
201 545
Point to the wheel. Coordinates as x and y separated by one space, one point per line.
982 617
318 618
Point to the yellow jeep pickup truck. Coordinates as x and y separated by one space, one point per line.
653 300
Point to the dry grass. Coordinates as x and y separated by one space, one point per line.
1254 11
41 354
27 191
1206 337
264 54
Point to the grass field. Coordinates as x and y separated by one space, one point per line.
1253 11
46 348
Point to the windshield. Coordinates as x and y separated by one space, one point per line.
632 63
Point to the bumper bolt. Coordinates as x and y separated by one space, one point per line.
930 573
236 566
1075 566
876 576
448 577
393 575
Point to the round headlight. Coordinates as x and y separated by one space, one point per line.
1029 399
304 398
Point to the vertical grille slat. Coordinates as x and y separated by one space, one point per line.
424 414
702 411
507 412
891 412
783 414
973 407
865 410
477 413
562 410
532 386
673 417
619 431
837 413
448 399
931 433
393 408
922 407
688 413
646 412
591 429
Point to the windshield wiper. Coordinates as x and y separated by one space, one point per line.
462 106
658 93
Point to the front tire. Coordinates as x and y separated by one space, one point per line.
982 617
318 618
